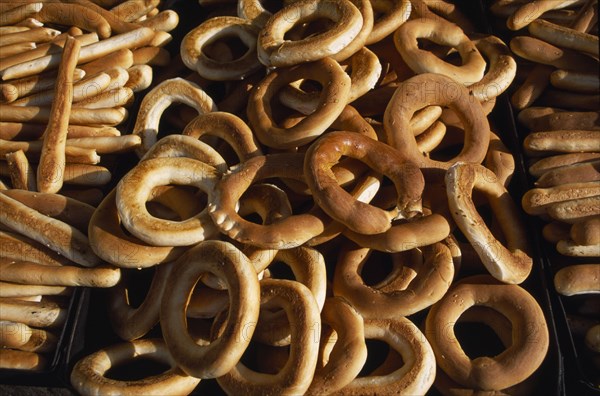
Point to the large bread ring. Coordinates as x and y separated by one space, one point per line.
285 233
440 32
416 374
219 357
135 187
529 342
334 98
296 375
433 276
274 50
212 30
87 377
511 264
338 203
435 89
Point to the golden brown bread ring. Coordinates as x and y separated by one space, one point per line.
415 94
511 264
275 51
501 71
359 42
333 99
111 243
88 374
537 200
211 31
287 232
219 357
308 267
578 279
295 378
414 377
433 276
228 127
443 33
348 355
337 203
129 322
22 360
500 160
162 96
136 186
516 363
389 18
586 232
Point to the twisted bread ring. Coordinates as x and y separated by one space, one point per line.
220 356
88 375
512 264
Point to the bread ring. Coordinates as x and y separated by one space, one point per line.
510 265
212 30
390 18
440 32
335 201
253 11
135 187
333 98
434 274
308 266
359 42
285 233
131 323
537 200
349 353
177 146
416 374
111 243
295 378
501 72
500 160
87 376
275 51
224 260
162 96
228 127
516 363
415 94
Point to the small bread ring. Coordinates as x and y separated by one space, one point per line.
529 342
288 232
228 127
220 356
416 374
87 377
500 160
510 265
415 94
295 378
253 11
501 72
136 186
359 42
334 98
434 274
336 202
440 32
349 353
159 98
275 51
212 30
131 323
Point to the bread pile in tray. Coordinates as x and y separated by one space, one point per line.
345 139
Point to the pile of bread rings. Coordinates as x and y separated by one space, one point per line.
336 137
558 109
